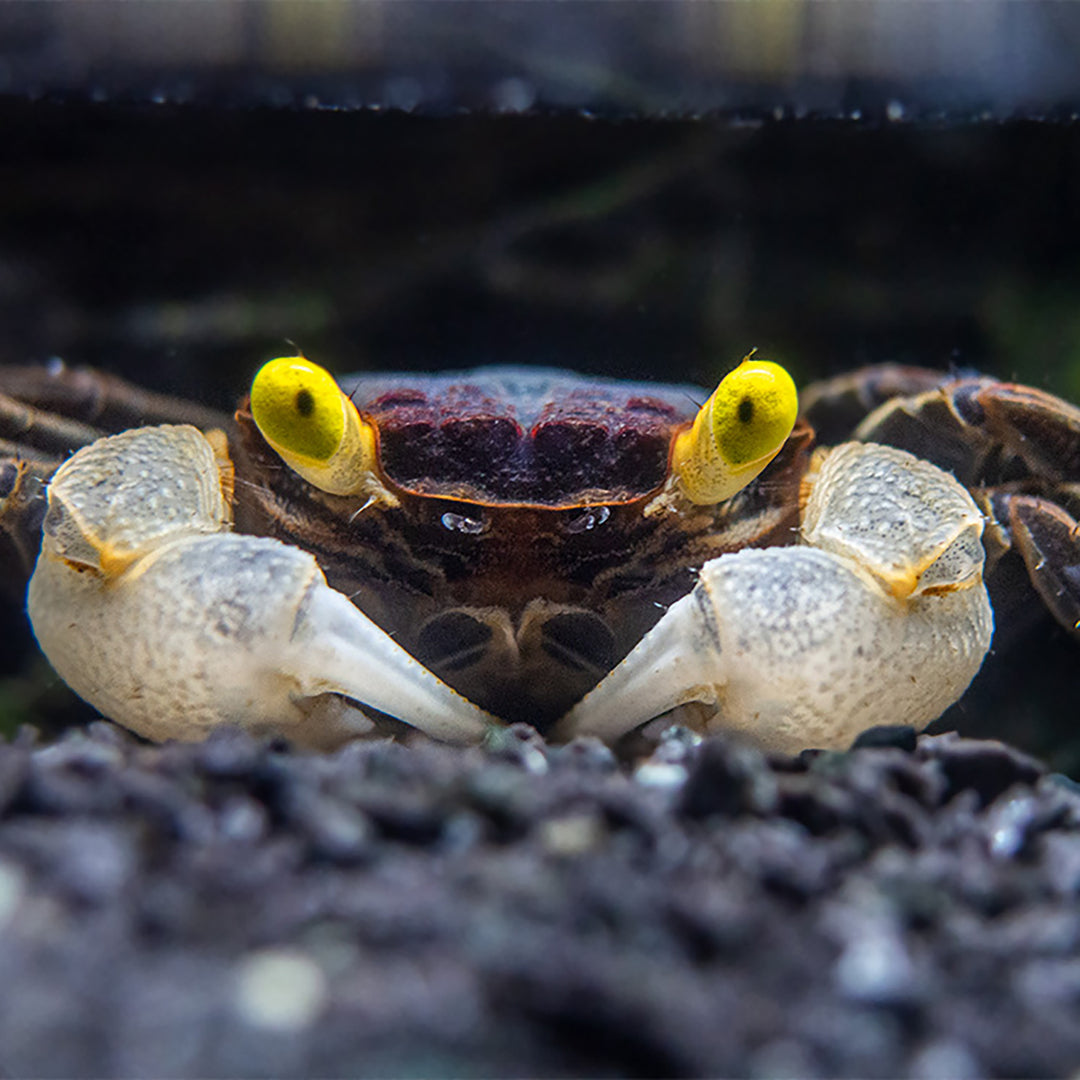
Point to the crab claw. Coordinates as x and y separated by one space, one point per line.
878 617
169 624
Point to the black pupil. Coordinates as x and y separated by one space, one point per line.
746 411
305 403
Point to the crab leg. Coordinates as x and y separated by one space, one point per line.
879 617
1048 539
41 433
90 397
22 507
168 623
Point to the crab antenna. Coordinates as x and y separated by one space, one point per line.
313 427
736 433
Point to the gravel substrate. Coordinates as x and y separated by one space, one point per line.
237 908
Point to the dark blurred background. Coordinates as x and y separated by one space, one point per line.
645 189
648 189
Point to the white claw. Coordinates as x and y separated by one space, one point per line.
171 626
802 647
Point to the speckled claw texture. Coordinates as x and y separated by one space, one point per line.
878 617
171 625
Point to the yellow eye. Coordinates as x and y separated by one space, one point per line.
737 432
314 427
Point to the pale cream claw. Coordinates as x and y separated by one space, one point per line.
803 647
905 521
170 625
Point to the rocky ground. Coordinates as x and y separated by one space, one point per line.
906 909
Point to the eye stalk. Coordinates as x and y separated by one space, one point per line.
302 413
736 433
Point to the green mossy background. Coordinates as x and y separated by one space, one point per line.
183 246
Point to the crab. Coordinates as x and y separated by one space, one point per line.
452 552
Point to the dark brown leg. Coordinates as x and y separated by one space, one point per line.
1048 539
25 429
22 510
926 425
1042 430
836 406
106 402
